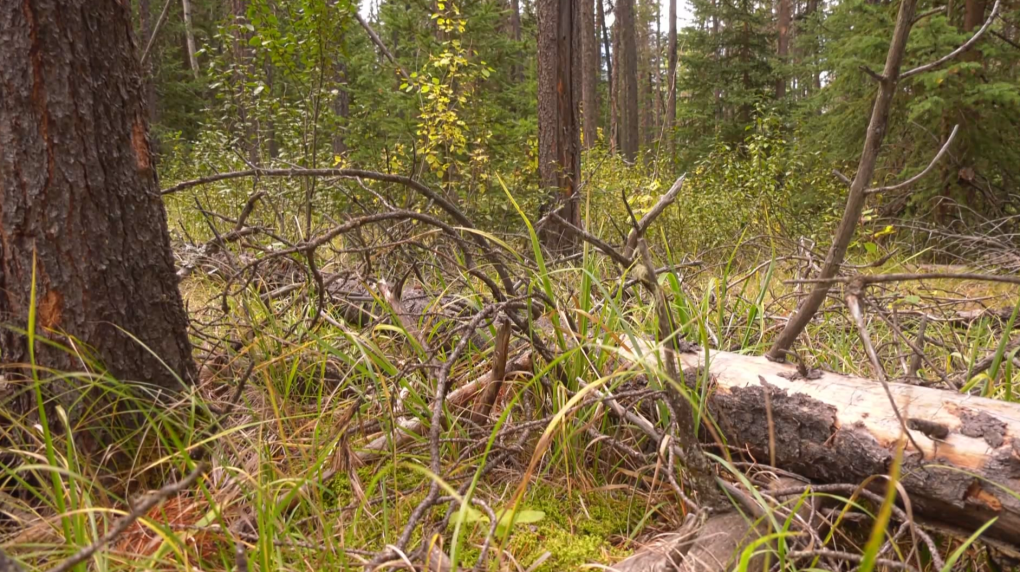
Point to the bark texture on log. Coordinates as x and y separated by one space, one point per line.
79 197
840 428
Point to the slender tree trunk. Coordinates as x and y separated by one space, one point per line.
272 144
615 89
954 189
856 198
627 90
660 105
145 30
189 37
242 60
609 70
82 213
671 83
717 55
783 47
341 109
559 86
642 38
515 32
590 73
973 17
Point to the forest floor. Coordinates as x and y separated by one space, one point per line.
310 472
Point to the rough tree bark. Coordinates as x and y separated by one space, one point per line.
842 429
783 47
590 73
627 91
559 86
857 195
79 200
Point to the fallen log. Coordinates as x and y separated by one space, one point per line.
842 429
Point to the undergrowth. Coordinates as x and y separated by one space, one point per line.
314 397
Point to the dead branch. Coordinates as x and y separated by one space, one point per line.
647 220
433 196
382 47
919 176
868 279
960 50
857 196
853 303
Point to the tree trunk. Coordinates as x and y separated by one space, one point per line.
643 37
856 198
967 118
559 86
189 37
671 83
609 67
81 209
973 17
783 48
627 98
145 30
341 109
717 56
242 60
515 32
590 73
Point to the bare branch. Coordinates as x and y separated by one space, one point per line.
594 241
924 15
843 178
382 47
647 220
887 278
408 182
872 74
963 48
853 303
917 177
155 30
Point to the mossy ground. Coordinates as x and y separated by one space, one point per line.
579 529
584 528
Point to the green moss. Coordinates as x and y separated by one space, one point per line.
403 479
575 532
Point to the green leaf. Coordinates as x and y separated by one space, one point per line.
524 516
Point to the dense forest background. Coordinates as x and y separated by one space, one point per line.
769 99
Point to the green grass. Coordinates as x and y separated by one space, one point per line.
286 430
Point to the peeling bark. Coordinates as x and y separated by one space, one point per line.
841 429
